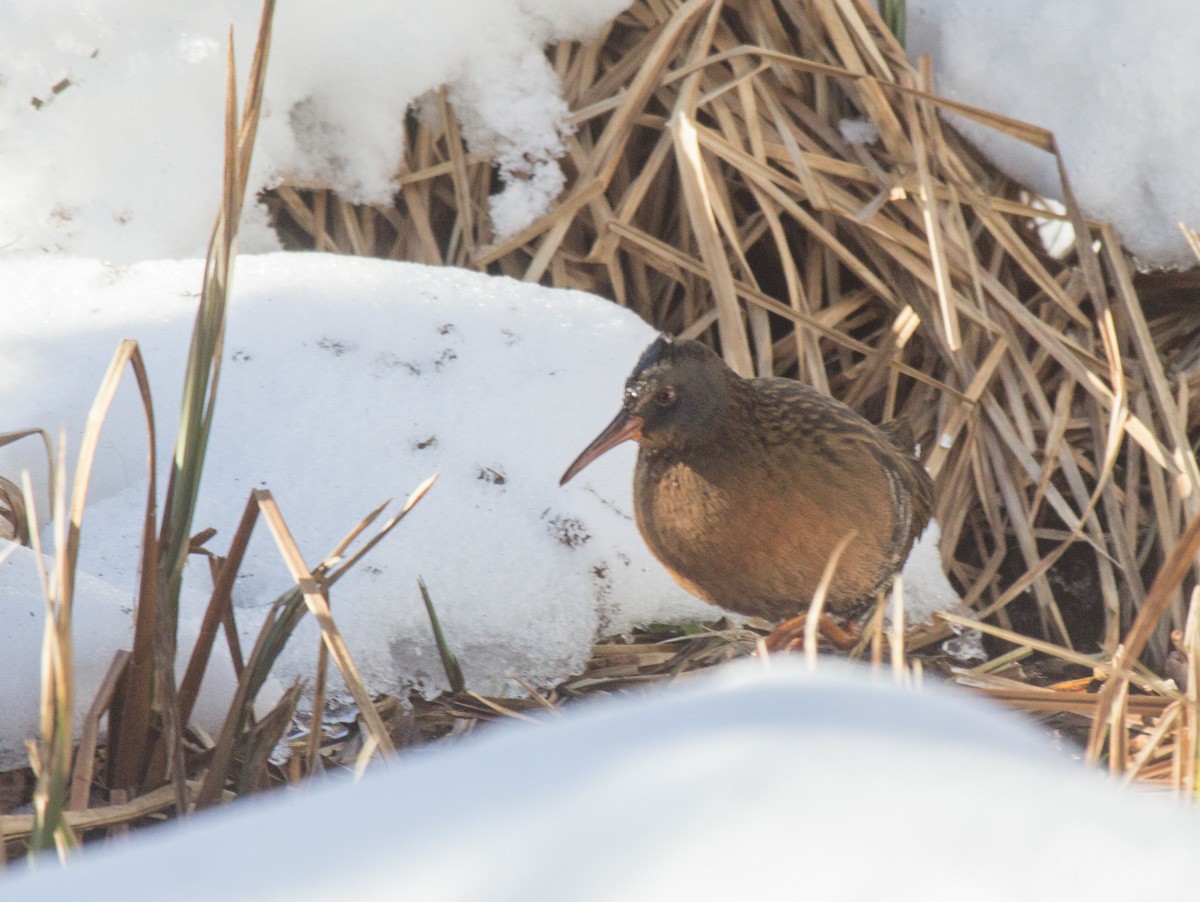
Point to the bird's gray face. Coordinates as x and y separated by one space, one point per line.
677 398
672 397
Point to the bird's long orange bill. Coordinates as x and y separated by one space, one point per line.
623 427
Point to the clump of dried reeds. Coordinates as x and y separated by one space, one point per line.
150 762
716 188
713 189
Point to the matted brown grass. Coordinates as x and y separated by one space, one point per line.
711 189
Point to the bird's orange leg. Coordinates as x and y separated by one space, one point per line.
789 635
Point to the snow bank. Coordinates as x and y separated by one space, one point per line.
111 111
349 381
741 784
1116 83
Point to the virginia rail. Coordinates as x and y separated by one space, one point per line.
744 487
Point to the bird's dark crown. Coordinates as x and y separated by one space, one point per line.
652 355
678 388
666 359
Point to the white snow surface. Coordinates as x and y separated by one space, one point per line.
102 626
112 111
348 381
742 784
1118 84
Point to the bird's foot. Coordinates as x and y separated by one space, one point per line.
789 635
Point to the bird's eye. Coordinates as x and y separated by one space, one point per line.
665 396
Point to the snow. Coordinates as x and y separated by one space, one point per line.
102 616
858 131
746 783
926 589
348 381
109 107
102 626
1115 82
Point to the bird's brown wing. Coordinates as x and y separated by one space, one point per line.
920 485
791 412
901 434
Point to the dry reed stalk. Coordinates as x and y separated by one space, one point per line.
19 826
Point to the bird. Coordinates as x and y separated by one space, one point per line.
744 487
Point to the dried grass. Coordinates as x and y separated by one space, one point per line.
711 190
146 714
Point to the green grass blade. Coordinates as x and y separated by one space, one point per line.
453 669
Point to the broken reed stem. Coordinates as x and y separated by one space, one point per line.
817 606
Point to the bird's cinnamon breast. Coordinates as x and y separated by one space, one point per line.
736 530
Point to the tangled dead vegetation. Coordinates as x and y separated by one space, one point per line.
779 179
